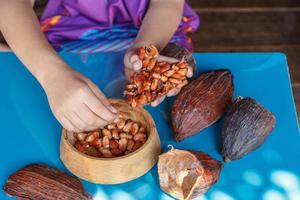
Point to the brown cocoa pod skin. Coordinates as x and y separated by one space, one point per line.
246 126
41 182
176 51
197 172
201 103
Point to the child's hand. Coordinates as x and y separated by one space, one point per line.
133 64
76 102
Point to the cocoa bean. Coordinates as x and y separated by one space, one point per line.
123 144
106 132
80 136
105 142
116 152
113 144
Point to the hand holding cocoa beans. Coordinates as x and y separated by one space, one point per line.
156 79
115 139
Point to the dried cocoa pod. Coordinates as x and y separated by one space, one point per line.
41 182
246 126
187 174
201 103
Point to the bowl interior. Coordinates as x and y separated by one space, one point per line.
136 114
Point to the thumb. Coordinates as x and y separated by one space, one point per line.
132 61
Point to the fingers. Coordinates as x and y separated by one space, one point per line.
99 107
167 59
173 92
68 125
101 97
157 101
189 73
132 61
136 62
89 118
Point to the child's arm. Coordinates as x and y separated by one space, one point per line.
160 23
75 101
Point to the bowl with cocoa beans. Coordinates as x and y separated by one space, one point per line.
116 153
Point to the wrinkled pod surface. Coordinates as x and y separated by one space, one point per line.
245 128
201 103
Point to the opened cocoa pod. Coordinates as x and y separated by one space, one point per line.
176 51
41 182
201 103
187 174
246 126
155 80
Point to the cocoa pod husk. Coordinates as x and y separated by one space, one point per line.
201 103
246 126
150 82
187 174
41 182
176 51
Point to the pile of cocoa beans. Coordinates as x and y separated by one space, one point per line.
115 139
155 79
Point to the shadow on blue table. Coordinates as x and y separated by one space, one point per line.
30 133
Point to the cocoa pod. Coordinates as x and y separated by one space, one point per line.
201 103
144 89
187 174
176 51
41 182
246 126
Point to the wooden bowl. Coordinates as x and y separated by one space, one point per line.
119 169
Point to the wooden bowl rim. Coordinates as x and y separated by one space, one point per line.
150 137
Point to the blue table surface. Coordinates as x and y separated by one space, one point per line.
30 133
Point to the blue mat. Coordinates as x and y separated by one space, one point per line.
30 133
